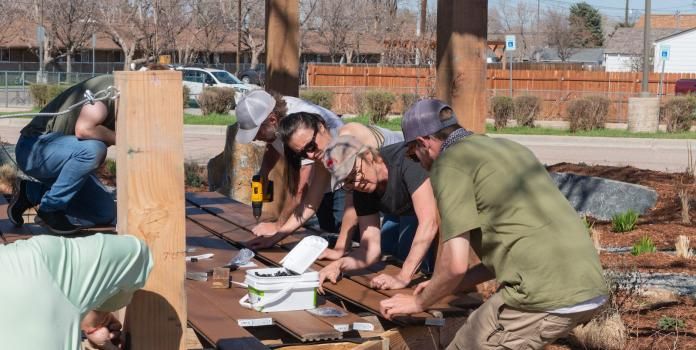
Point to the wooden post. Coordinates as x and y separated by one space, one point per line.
461 59
283 46
150 201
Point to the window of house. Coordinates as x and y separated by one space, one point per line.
4 54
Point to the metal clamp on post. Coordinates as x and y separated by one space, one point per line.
89 97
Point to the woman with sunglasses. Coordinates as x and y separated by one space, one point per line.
389 182
305 136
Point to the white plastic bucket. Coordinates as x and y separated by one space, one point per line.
281 293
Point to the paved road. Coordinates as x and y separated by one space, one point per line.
204 142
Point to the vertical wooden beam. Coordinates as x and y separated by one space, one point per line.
150 201
462 27
283 46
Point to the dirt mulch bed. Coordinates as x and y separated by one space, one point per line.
109 179
662 224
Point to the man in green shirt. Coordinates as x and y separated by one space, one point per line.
494 196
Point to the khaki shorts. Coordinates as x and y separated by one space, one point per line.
495 325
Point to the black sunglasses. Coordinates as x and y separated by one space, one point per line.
311 146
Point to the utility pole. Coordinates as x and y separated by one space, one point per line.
239 35
538 17
420 28
646 50
626 15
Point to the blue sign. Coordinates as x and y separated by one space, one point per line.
664 52
510 43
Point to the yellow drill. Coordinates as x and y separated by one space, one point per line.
258 195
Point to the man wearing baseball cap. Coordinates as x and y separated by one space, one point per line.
258 114
494 196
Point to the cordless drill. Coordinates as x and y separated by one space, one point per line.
258 195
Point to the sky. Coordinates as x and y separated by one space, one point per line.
613 9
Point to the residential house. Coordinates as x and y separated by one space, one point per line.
623 50
682 52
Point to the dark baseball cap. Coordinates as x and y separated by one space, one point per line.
423 119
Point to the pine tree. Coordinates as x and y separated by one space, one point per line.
587 23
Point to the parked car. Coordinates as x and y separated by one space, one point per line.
253 76
685 86
197 78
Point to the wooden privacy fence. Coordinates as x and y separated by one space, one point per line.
555 87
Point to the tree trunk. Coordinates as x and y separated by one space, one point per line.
68 62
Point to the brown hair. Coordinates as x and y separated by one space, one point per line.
286 128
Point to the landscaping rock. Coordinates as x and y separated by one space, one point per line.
602 198
678 283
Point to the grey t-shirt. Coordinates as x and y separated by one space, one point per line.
405 177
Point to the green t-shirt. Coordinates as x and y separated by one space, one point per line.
65 123
49 283
522 227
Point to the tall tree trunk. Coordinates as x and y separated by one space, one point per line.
68 62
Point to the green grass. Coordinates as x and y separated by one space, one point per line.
212 119
644 246
391 124
523 130
624 222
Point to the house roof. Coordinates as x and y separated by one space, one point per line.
669 21
629 41
675 34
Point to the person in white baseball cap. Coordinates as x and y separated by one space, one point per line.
258 114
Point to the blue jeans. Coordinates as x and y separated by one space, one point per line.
397 237
330 212
64 167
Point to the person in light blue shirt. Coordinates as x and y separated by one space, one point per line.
55 287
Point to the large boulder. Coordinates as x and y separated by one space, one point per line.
602 198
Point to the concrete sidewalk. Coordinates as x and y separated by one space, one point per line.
202 142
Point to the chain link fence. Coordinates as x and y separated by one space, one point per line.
14 85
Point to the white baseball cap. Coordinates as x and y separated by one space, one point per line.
252 110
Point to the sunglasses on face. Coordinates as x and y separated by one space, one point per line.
352 178
311 146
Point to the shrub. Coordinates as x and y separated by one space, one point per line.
502 108
599 110
408 100
667 323
588 113
187 95
683 248
322 98
624 222
643 246
377 104
358 106
110 167
527 110
216 100
41 94
679 113
193 174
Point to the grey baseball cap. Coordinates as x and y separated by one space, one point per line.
252 109
339 158
423 119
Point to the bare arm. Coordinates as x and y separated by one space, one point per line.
349 221
310 203
368 253
89 124
293 200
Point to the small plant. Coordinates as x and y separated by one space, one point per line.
193 174
624 222
667 323
41 94
216 100
643 246
527 110
110 167
378 104
408 100
502 108
678 113
599 110
322 98
186 95
682 248
685 200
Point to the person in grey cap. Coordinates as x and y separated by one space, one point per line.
384 181
494 196
258 114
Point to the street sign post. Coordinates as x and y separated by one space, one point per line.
664 57
510 46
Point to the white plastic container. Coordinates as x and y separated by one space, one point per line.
286 293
